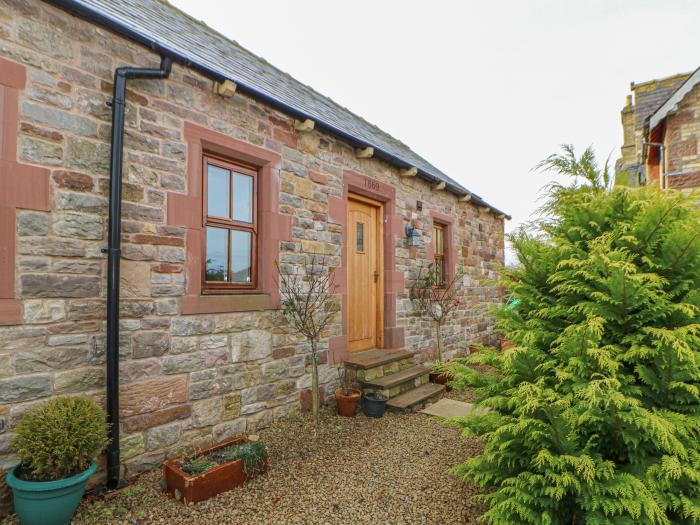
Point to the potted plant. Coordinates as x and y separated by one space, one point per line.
347 395
374 404
57 443
436 298
203 474
309 304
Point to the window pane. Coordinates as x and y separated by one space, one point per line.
217 255
241 249
360 241
218 191
439 271
242 198
438 240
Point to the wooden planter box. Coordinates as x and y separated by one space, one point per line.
199 487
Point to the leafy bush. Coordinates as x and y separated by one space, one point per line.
595 411
60 438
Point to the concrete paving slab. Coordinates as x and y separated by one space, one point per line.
448 408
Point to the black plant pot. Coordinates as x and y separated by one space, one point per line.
374 404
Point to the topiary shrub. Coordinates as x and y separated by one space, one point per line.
60 438
595 411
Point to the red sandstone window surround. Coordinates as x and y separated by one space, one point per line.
192 211
441 251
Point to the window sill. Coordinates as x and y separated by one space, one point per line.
213 304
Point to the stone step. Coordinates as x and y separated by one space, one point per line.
376 357
396 383
395 379
373 364
414 397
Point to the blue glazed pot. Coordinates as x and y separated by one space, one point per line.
374 404
48 502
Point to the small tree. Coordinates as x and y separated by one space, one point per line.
435 299
595 411
309 305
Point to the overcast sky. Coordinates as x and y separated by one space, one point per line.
483 90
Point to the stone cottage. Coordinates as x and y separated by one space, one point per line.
661 128
228 166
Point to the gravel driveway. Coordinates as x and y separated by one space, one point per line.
357 471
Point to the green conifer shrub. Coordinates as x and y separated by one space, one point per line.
595 411
60 438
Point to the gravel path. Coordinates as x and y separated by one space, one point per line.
358 470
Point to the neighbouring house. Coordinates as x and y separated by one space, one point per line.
661 128
229 165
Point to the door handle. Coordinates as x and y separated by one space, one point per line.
376 276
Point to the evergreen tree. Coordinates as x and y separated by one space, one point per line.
595 411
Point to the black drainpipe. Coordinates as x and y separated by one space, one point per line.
114 255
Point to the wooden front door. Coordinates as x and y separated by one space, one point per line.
365 276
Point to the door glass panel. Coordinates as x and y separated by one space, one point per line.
242 197
217 255
218 191
241 249
360 241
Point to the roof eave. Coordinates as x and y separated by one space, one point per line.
81 11
672 102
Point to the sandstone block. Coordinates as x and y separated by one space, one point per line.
207 412
51 246
259 421
130 371
274 371
148 396
32 223
150 344
80 226
48 285
191 326
131 446
232 406
84 202
71 180
214 387
48 359
40 152
180 345
230 429
59 119
157 418
79 380
143 463
44 311
135 279
251 345
164 436
19 389
184 363
92 157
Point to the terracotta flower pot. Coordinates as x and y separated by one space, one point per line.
347 405
441 379
191 488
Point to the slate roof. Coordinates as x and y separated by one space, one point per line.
649 96
165 29
671 103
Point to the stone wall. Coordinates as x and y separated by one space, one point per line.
648 97
681 140
184 378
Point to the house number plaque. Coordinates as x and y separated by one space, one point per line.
371 184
